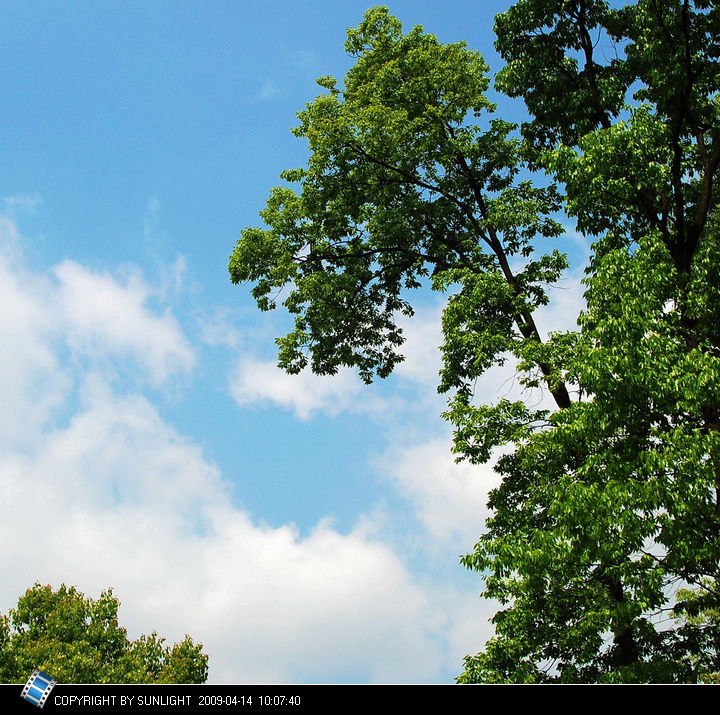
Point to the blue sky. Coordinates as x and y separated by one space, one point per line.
304 529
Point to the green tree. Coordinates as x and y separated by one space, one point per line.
77 640
616 502
612 500
698 615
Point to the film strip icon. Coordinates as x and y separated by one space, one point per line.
38 688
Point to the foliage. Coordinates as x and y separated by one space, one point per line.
619 499
611 501
698 615
77 640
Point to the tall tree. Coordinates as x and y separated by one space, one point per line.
78 640
611 501
617 503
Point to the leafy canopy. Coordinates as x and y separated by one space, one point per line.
401 188
77 640
610 503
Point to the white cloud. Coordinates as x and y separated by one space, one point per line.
108 318
423 338
256 381
331 604
470 627
261 381
450 498
110 495
119 499
32 382
217 329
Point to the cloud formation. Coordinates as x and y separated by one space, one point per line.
261 381
120 499
105 317
450 499
98 490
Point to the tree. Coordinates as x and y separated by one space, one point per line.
611 501
77 640
701 622
617 500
